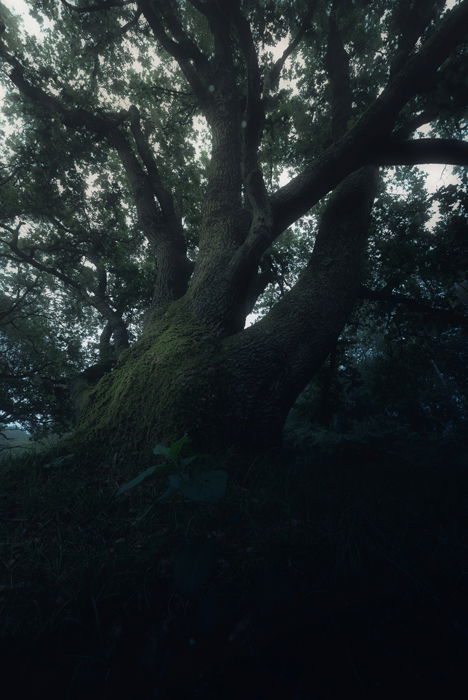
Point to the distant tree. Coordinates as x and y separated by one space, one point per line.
142 192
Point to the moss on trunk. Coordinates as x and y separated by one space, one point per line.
166 385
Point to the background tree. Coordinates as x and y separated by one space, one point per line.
145 177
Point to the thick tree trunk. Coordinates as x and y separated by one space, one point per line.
185 377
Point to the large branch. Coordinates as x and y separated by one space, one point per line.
278 355
356 147
193 63
77 117
19 301
415 121
412 18
337 65
163 195
420 151
97 298
272 78
422 307
253 125
219 20
173 265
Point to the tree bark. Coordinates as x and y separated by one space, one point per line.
183 377
195 370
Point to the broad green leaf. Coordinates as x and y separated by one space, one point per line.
137 480
161 450
176 447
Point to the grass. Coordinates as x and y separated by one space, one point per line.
339 558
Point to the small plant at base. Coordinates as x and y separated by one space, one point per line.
202 487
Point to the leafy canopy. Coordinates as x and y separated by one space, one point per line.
78 270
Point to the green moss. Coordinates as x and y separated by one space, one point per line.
164 386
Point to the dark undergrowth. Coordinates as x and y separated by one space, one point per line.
336 571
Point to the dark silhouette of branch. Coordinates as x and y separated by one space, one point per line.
163 195
253 125
417 305
413 19
444 151
19 301
337 65
357 146
273 76
170 249
190 58
411 124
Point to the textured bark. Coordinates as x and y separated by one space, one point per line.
271 362
184 378
195 370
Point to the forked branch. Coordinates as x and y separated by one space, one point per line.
272 78
357 147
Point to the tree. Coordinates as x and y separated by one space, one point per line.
146 180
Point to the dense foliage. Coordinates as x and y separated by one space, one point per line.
214 233
80 263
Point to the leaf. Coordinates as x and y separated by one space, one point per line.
58 461
188 460
137 480
174 485
161 450
173 451
193 566
176 447
208 487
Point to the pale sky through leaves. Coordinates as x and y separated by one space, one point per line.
437 175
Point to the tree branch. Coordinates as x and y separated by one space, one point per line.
337 65
174 268
173 265
412 123
76 117
412 18
163 195
356 147
419 151
23 256
105 5
279 353
18 302
272 78
446 315
253 125
191 60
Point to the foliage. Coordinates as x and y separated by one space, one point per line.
167 167
79 268
200 486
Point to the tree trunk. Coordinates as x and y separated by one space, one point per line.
184 376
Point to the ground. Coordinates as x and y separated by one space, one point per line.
321 573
